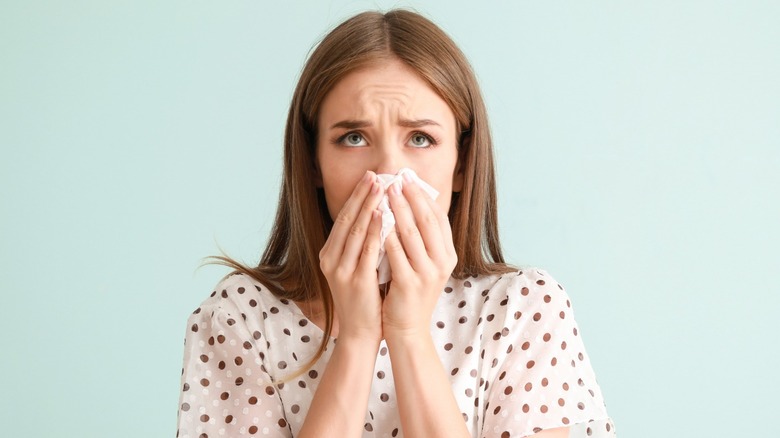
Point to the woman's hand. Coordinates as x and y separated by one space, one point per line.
348 260
421 261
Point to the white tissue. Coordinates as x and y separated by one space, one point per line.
388 218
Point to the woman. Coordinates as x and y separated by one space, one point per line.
456 343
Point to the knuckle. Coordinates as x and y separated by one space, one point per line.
356 230
344 217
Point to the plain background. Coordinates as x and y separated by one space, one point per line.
638 148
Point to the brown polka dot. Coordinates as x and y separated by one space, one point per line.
282 365
383 351
581 406
524 291
252 429
526 408
537 316
185 407
504 301
518 314
224 294
528 386
497 336
253 303
473 373
490 317
589 432
562 314
504 331
257 335
221 339
447 346
225 395
241 290
286 331
547 298
239 381
204 418
186 387
462 304
505 434
274 310
238 360
466 283
565 386
440 324
469 392
468 349
509 349
395 432
530 364
448 289
194 327
563 345
295 409
609 427
554 361
305 339
252 400
231 321
204 382
545 382
525 345
540 282
497 410
204 358
368 427
247 345
546 337
380 374
565 420
269 390
313 374
580 356
508 390
561 402
574 330
282 422
301 383
211 340
229 419
221 365
384 397
454 371
462 320
543 409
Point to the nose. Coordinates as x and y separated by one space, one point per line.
388 158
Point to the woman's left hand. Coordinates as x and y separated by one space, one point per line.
421 261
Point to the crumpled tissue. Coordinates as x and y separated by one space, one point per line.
388 218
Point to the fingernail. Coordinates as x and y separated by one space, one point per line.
367 176
396 188
407 178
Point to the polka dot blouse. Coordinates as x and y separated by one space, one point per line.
513 352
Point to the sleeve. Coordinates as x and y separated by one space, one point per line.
226 390
543 378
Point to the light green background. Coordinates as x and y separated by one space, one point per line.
638 148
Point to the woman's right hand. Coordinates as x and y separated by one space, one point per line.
348 260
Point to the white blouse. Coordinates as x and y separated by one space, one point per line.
516 362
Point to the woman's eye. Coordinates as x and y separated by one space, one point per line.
354 139
420 141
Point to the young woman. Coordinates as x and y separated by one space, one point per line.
457 343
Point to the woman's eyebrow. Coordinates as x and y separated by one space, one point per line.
406 123
350 124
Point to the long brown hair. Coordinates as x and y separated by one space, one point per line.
289 266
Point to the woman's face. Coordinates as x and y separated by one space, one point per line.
383 118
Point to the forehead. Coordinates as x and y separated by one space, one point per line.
389 86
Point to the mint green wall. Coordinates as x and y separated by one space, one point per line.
638 150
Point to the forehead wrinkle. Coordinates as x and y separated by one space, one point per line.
385 99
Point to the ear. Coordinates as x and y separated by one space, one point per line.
457 177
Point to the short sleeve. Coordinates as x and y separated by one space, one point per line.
226 390
543 378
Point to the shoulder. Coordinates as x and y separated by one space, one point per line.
238 297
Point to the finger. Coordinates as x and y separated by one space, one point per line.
409 233
358 233
346 217
399 263
427 217
370 254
